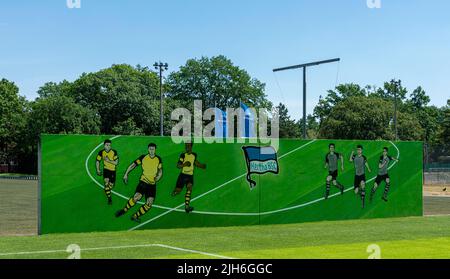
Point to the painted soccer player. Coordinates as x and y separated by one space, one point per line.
151 173
187 163
360 162
331 163
383 174
110 160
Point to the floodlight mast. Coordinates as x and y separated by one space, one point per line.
304 66
161 67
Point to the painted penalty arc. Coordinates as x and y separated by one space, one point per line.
241 176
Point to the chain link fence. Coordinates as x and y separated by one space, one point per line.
436 165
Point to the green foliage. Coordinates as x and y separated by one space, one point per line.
418 99
60 114
391 90
55 89
429 117
340 93
127 127
358 117
217 82
444 136
13 109
416 120
312 127
119 93
409 128
288 127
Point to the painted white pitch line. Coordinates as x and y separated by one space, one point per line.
102 186
193 251
292 207
177 208
119 247
273 211
232 213
210 191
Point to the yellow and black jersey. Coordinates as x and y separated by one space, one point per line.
112 155
150 168
186 157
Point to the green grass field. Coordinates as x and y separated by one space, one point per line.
73 201
411 237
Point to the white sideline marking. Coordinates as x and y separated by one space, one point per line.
212 190
120 247
231 213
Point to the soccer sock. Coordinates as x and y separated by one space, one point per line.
108 189
187 197
363 195
129 205
328 188
386 189
144 209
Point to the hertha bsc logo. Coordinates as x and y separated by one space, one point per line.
260 160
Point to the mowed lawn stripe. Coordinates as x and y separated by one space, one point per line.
338 239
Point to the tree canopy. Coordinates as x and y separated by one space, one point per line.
218 83
13 109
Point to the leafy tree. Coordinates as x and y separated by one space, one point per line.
340 93
288 127
127 127
445 133
119 93
13 109
367 118
217 82
357 117
312 127
390 90
409 128
54 89
418 99
61 115
429 117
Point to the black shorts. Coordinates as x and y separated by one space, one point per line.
381 178
333 174
111 175
147 190
358 180
184 179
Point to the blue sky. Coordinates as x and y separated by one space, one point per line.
43 40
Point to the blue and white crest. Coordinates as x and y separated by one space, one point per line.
260 160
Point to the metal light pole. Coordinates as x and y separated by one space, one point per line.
161 67
304 66
398 86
